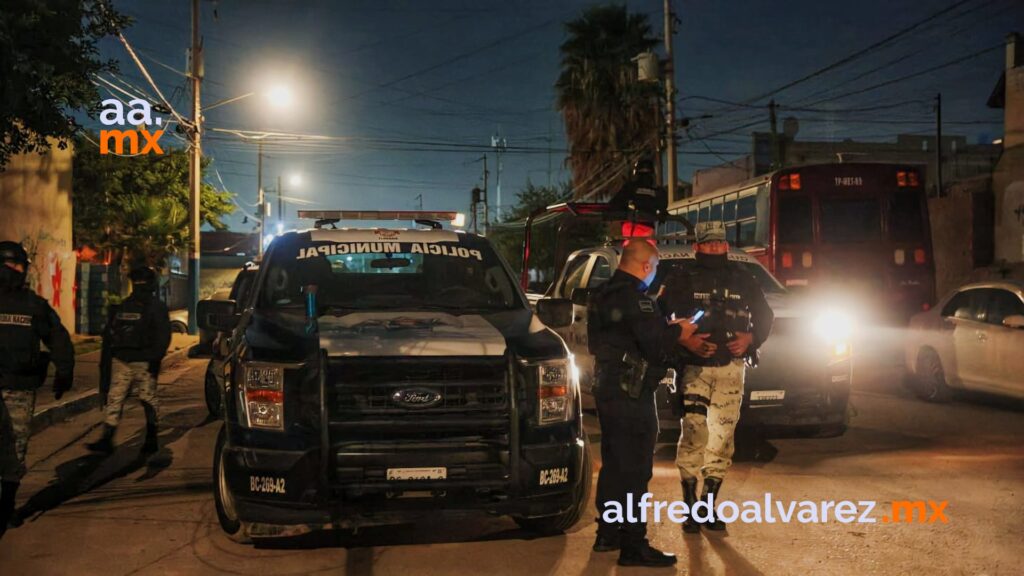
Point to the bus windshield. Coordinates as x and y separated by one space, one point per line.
850 220
906 217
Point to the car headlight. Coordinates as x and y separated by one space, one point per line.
262 394
556 387
834 326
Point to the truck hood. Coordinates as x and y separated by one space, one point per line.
410 334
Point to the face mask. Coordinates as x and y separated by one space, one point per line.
649 279
712 260
11 278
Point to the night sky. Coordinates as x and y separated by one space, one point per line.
392 80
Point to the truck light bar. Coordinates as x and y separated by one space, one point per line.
377 215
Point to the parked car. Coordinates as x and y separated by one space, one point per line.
806 367
216 342
972 340
380 375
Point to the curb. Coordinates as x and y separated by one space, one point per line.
53 414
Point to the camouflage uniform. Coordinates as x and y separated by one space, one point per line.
712 398
123 376
18 407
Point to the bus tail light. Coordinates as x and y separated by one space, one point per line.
784 182
919 256
900 257
794 181
787 259
807 260
901 179
912 178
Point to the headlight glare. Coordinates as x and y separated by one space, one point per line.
833 326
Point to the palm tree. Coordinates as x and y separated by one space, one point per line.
609 117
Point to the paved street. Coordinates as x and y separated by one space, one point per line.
127 515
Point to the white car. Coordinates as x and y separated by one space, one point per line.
973 339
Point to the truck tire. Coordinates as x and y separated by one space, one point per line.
566 520
235 529
212 393
930 379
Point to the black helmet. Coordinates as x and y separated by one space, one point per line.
13 252
143 277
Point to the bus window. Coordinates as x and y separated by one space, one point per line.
692 215
746 207
849 220
705 211
730 233
905 217
716 210
747 234
794 224
729 212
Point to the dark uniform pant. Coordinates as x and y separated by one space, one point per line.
629 432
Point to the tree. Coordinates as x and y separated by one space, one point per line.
48 56
136 207
610 117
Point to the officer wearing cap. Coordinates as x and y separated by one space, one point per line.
736 321
26 320
631 342
135 339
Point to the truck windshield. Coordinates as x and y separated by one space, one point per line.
364 276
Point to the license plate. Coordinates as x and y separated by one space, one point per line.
417 473
767 395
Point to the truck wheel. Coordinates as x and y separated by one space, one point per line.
930 382
236 530
566 520
211 389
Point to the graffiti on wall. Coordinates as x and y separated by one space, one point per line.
46 274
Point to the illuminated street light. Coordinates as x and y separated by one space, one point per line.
280 96
295 180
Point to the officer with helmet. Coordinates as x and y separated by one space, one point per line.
26 320
735 321
135 340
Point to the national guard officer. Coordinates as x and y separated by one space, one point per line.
135 340
25 321
630 341
736 321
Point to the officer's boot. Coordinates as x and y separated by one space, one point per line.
712 486
690 526
106 442
151 445
8 491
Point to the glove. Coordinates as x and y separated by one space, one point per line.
61 384
154 368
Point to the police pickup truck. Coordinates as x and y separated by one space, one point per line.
376 376
805 369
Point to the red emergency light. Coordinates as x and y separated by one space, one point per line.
637 230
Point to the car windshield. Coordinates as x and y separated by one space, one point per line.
389 275
767 282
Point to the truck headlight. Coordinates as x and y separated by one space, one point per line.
833 326
556 387
262 394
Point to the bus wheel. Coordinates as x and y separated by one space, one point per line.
235 529
931 378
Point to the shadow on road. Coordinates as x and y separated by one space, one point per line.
93 470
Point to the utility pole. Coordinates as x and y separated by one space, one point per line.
260 200
499 144
487 205
776 156
938 144
195 172
419 198
280 202
670 103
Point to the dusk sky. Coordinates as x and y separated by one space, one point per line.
393 80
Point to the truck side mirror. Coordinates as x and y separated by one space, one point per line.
555 312
579 296
217 315
1014 321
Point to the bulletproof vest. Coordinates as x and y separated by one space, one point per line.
130 325
19 343
720 294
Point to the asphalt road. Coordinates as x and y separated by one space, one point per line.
124 514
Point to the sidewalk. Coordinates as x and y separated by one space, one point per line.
85 395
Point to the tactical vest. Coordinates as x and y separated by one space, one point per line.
19 345
720 294
130 325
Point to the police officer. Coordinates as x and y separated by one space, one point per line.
135 340
630 341
736 321
25 321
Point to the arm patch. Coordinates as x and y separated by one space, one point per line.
646 305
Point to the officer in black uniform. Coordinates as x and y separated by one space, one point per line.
630 341
135 340
736 321
25 321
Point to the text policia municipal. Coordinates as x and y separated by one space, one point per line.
387 248
774 511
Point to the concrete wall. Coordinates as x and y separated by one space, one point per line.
1008 180
952 219
35 200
